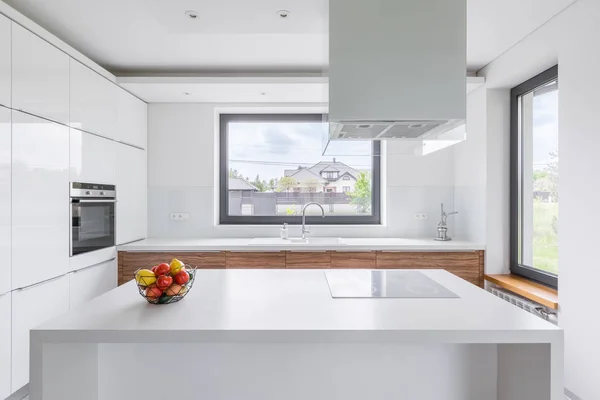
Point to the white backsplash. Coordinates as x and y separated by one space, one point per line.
403 202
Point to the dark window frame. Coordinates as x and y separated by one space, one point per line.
517 268
226 219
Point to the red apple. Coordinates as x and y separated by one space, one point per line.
153 269
162 269
182 277
164 281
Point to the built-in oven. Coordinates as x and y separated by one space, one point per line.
92 217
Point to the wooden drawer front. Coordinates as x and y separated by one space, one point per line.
302 260
129 262
462 264
255 260
366 260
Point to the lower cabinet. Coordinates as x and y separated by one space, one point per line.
467 265
129 262
5 311
91 282
31 307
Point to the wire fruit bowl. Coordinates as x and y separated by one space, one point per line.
149 290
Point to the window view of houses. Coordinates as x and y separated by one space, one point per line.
287 169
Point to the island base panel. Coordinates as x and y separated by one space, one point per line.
297 371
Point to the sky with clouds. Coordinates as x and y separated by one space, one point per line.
545 127
268 148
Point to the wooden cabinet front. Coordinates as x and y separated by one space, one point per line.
466 265
255 259
363 260
307 260
129 262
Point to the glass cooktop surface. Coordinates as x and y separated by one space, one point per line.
384 284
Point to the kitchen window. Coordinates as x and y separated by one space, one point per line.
272 165
534 178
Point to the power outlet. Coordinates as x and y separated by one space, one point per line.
180 216
421 216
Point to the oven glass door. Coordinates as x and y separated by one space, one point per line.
93 225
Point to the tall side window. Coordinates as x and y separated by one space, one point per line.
534 178
272 166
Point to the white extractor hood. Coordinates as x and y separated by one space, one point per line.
397 70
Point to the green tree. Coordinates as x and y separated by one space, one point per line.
286 184
260 185
234 173
272 184
311 184
361 196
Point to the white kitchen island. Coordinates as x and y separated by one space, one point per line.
279 334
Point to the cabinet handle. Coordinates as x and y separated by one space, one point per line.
40 283
93 265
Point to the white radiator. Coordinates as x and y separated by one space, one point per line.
527 305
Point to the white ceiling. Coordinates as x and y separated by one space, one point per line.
243 35
296 90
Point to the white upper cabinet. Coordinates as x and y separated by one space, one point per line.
92 158
131 194
40 199
132 119
5 85
91 282
32 307
5 200
93 102
40 76
5 345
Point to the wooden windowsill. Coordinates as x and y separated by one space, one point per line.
526 288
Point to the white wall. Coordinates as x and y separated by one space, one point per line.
571 40
182 165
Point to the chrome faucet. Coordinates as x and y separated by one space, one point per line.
304 230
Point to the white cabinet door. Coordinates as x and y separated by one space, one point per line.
132 119
32 307
91 282
40 76
5 345
40 199
5 200
92 158
131 194
93 102
5 75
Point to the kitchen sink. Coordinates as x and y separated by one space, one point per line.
311 241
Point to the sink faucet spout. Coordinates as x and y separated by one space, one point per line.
304 229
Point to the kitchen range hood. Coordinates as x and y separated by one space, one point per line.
397 70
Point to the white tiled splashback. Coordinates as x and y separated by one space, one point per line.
403 202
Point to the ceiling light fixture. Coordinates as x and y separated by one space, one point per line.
191 14
283 14
187 93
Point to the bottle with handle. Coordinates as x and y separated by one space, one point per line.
442 229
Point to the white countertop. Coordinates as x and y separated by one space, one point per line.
351 244
296 306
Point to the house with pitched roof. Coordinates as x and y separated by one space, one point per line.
324 177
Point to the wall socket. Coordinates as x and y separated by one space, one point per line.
178 216
421 216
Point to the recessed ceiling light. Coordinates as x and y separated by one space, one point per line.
283 14
191 14
263 93
187 93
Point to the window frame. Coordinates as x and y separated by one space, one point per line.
226 219
517 268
